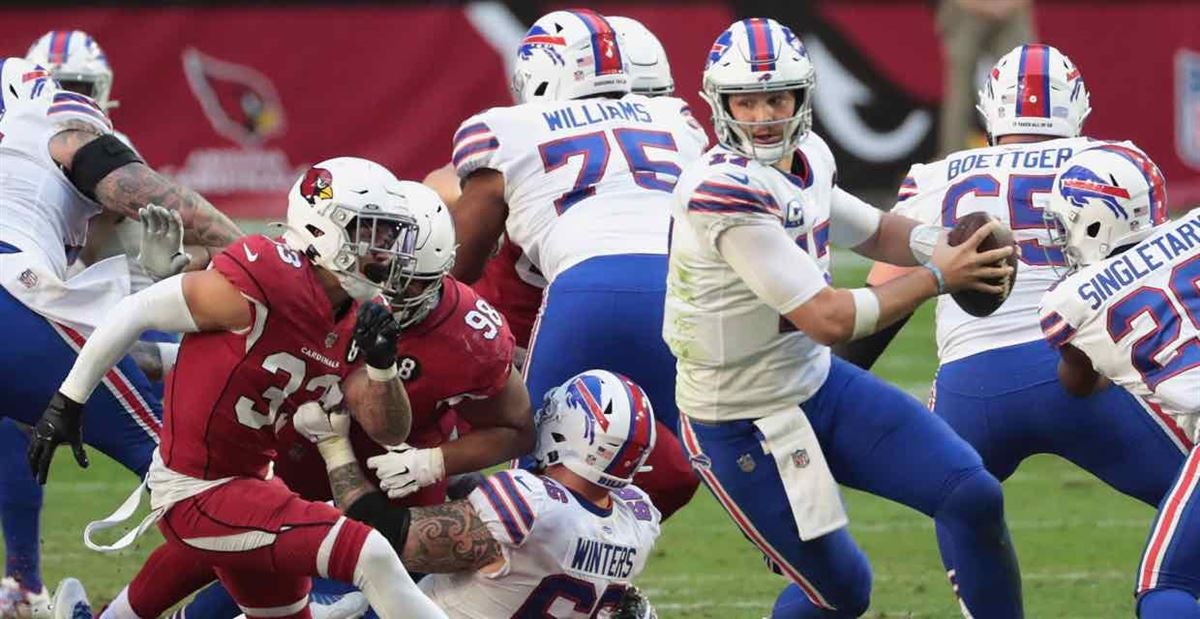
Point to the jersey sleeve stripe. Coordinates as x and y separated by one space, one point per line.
503 512
470 130
61 97
474 148
739 194
1051 321
81 111
714 206
509 487
1058 332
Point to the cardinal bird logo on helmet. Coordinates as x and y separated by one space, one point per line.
317 185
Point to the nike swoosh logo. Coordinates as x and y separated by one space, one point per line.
251 256
743 179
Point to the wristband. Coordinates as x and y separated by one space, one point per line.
937 275
922 240
382 375
866 312
337 452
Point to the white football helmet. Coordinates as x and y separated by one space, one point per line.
433 253
76 62
22 81
599 425
1104 198
569 55
758 55
1034 90
648 66
349 215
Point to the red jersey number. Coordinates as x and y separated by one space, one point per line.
294 368
484 318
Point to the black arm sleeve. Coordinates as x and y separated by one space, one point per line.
375 510
865 352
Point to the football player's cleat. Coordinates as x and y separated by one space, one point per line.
70 601
17 602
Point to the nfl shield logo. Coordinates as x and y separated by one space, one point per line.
1187 106
800 458
28 278
746 463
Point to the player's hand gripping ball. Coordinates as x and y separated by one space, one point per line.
976 302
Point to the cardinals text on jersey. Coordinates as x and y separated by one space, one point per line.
462 349
564 556
737 357
583 178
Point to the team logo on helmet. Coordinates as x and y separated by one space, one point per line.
537 38
583 394
719 47
1079 184
317 185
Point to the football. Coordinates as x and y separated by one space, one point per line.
974 302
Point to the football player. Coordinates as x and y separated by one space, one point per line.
1129 313
772 423
996 382
77 64
60 165
566 543
272 325
579 174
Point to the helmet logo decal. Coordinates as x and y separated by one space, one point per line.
317 185
580 395
720 46
1080 184
538 38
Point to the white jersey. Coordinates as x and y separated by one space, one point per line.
564 557
1136 316
41 212
584 178
1001 181
737 357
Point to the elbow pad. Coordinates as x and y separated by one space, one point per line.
96 160
377 512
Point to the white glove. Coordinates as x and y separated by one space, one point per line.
161 252
315 424
404 469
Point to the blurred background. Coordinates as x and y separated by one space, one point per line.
234 100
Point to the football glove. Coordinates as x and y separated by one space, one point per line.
161 252
405 469
62 422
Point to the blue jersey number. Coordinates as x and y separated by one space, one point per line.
1022 214
595 149
563 587
1147 350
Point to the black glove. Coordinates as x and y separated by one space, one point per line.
61 423
375 334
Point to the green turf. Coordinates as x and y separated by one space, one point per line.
1078 541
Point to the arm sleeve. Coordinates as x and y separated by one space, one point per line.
775 268
852 221
161 306
475 146
508 502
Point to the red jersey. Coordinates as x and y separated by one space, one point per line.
462 349
230 392
514 286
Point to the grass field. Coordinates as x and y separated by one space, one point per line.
1078 541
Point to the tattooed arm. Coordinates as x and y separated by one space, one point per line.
442 538
449 538
134 185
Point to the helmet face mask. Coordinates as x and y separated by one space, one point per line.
759 56
433 250
599 425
